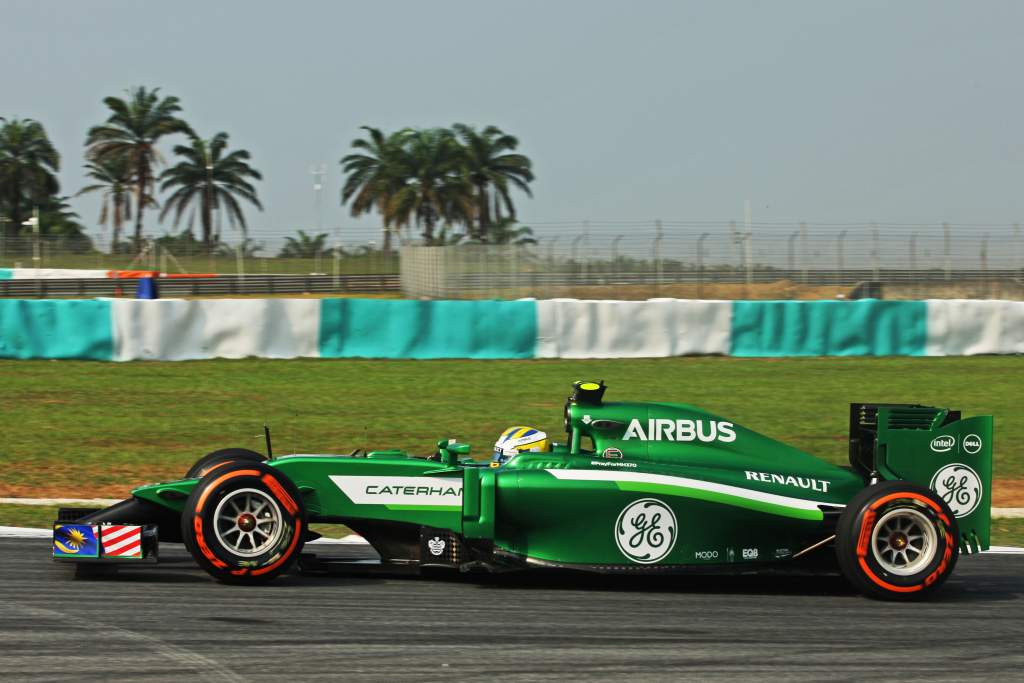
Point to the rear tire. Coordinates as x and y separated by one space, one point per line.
897 541
218 458
244 523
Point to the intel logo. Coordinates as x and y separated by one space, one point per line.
972 444
942 444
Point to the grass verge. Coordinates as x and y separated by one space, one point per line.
90 429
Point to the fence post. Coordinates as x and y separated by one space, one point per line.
839 254
657 256
792 254
35 240
748 224
337 266
1016 250
515 270
615 251
803 250
984 266
735 245
586 250
573 257
240 265
913 263
949 258
700 264
749 248
874 250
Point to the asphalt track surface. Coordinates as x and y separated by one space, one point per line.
170 622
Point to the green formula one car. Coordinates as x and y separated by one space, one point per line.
638 487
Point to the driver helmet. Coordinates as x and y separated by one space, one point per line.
516 440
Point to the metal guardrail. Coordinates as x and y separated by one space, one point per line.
212 286
257 285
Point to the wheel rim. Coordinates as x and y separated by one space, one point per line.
247 522
904 541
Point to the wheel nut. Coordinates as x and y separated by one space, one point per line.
246 522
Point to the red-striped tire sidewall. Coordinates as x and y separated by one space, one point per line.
853 546
197 523
216 459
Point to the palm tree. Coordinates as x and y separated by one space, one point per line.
114 178
435 176
506 232
446 238
28 161
371 176
207 179
492 169
305 246
433 189
57 220
131 132
247 247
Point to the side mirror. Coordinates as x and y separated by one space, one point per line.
450 451
459 448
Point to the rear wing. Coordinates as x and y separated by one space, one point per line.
934 447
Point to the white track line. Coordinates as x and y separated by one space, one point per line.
91 502
1005 550
19 532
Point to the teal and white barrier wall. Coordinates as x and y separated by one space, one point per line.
574 328
965 327
131 329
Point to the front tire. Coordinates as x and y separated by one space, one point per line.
244 523
211 461
897 541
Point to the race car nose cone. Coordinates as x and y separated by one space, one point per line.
246 522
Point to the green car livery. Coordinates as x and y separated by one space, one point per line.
637 487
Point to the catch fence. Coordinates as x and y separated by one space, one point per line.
607 260
773 262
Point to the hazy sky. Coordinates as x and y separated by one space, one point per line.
816 111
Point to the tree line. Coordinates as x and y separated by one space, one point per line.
450 184
122 160
460 178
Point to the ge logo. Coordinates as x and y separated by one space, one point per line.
646 531
960 487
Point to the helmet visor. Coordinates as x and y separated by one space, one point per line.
501 456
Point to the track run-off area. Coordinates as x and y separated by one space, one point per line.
172 622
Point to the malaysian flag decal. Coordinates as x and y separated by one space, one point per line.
121 540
